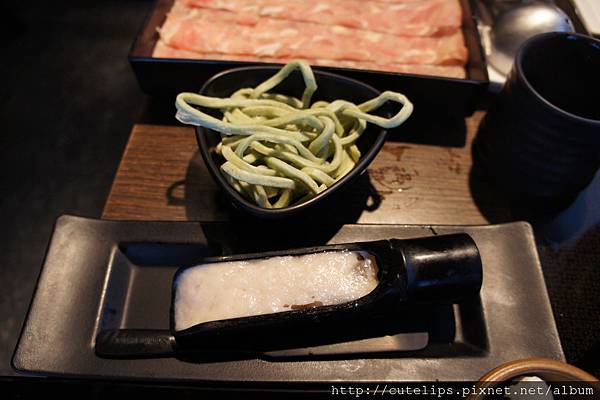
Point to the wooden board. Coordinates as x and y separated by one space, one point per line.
162 177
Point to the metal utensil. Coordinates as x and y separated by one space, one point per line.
515 25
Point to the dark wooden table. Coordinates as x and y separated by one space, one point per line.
162 177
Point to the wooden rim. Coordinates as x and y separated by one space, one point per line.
544 368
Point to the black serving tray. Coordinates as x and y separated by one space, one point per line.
449 96
110 274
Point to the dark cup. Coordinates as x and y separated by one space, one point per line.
540 140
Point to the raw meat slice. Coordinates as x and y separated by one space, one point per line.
215 31
162 50
423 18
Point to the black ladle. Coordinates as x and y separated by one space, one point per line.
439 269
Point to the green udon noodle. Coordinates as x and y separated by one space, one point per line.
280 150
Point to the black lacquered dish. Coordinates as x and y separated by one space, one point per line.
449 96
330 87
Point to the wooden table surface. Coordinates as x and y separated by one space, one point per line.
162 177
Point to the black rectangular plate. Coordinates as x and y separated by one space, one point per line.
456 97
117 274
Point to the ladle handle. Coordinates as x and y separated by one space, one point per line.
134 343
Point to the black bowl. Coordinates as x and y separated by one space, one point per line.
331 87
